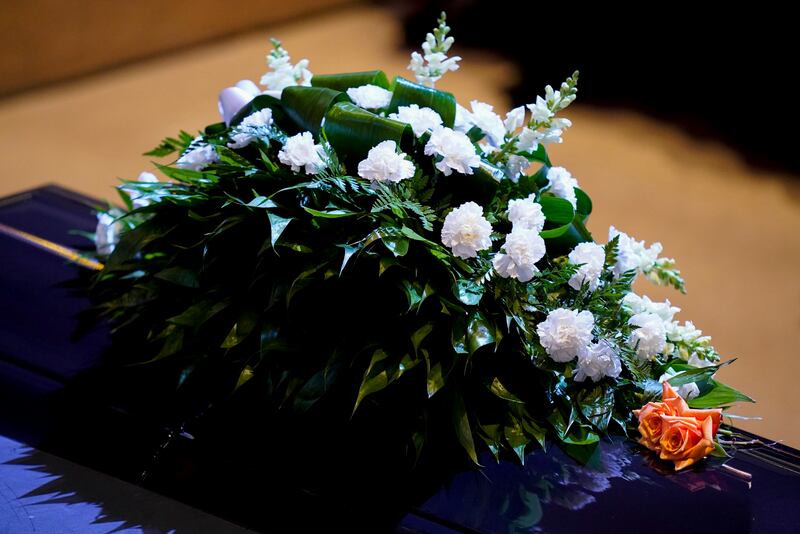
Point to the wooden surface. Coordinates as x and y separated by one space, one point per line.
734 229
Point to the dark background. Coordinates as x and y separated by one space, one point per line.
722 70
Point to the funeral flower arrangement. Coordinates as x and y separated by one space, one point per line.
348 239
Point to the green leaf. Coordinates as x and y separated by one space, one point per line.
406 92
396 245
584 204
261 202
194 316
315 388
307 106
331 214
517 440
419 335
343 82
241 329
376 377
468 291
597 405
695 374
352 131
540 155
277 225
557 211
500 390
462 427
187 175
180 276
480 332
348 253
719 395
435 379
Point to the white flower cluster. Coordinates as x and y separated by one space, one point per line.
422 120
485 119
282 73
385 164
454 150
430 66
255 125
370 96
197 156
632 254
590 257
301 152
561 183
682 341
567 334
523 246
649 337
466 231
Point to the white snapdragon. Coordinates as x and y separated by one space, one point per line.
598 361
466 231
522 249
197 156
636 304
540 111
649 338
488 122
370 96
106 235
433 63
300 152
687 391
632 254
282 73
565 333
590 257
516 166
514 119
384 164
562 184
526 213
251 128
422 120
456 151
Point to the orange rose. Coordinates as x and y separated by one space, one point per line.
685 440
675 431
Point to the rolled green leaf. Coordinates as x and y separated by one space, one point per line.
307 106
352 131
407 92
266 101
343 82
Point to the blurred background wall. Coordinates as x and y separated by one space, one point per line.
684 130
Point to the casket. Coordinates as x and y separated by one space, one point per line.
52 445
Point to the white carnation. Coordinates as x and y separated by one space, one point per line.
197 157
526 213
598 361
422 120
253 126
687 391
566 333
562 184
488 121
514 119
650 336
523 248
300 151
370 96
384 164
632 254
590 257
106 235
455 149
463 121
466 231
